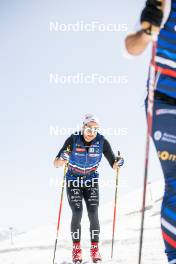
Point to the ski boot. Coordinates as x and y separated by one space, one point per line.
77 253
94 253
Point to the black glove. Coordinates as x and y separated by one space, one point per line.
152 16
120 161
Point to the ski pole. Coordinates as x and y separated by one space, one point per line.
60 210
150 105
115 209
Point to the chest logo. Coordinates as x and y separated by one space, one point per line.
91 150
80 149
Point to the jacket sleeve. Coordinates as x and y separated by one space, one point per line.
108 153
68 143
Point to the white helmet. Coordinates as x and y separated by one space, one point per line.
90 118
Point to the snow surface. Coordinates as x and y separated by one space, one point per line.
36 245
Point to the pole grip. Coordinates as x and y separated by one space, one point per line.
153 29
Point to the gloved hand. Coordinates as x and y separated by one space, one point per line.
152 16
64 155
120 161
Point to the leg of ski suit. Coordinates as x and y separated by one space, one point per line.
90 193
164 136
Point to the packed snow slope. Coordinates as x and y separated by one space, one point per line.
36 246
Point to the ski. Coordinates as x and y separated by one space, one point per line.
76 262
80 262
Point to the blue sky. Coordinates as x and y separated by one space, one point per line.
29 104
